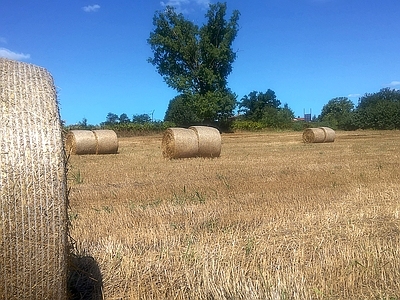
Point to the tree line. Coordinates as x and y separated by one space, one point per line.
380 110
261 110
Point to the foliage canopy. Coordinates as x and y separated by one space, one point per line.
379 110
338 113
265 108
254 105
196 62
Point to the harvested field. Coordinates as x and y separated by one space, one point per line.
271 218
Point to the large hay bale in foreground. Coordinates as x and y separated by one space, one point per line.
81 142
179 143
209 140
329 134
313 135
106 141
33 206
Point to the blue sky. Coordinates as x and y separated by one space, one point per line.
307 51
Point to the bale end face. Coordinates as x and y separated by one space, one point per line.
318 135
313 135
80 142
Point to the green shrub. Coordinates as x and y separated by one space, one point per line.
134 129
247 125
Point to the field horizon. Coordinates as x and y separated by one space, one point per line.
271 218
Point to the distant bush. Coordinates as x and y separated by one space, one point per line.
379 110
82 125
247 125
132 129
127 128
300 125
338 113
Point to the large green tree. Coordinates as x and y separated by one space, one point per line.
123 118
141 119
112 118
181 111
379 110
196 61
266 108
338 113
255 105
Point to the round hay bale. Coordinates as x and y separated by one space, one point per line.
313 135
329 134
179 143
106 141
81 142
33 204
209 140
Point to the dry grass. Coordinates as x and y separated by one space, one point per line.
272 218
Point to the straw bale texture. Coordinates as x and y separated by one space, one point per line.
209 140
81 142
313 135
179 143
329 134
106 141
33 208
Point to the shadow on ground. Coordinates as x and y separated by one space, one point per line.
85 281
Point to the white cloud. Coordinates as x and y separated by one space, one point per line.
394 83
181 6
91 8
177 4
204 3
353 95
13 55
174 2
